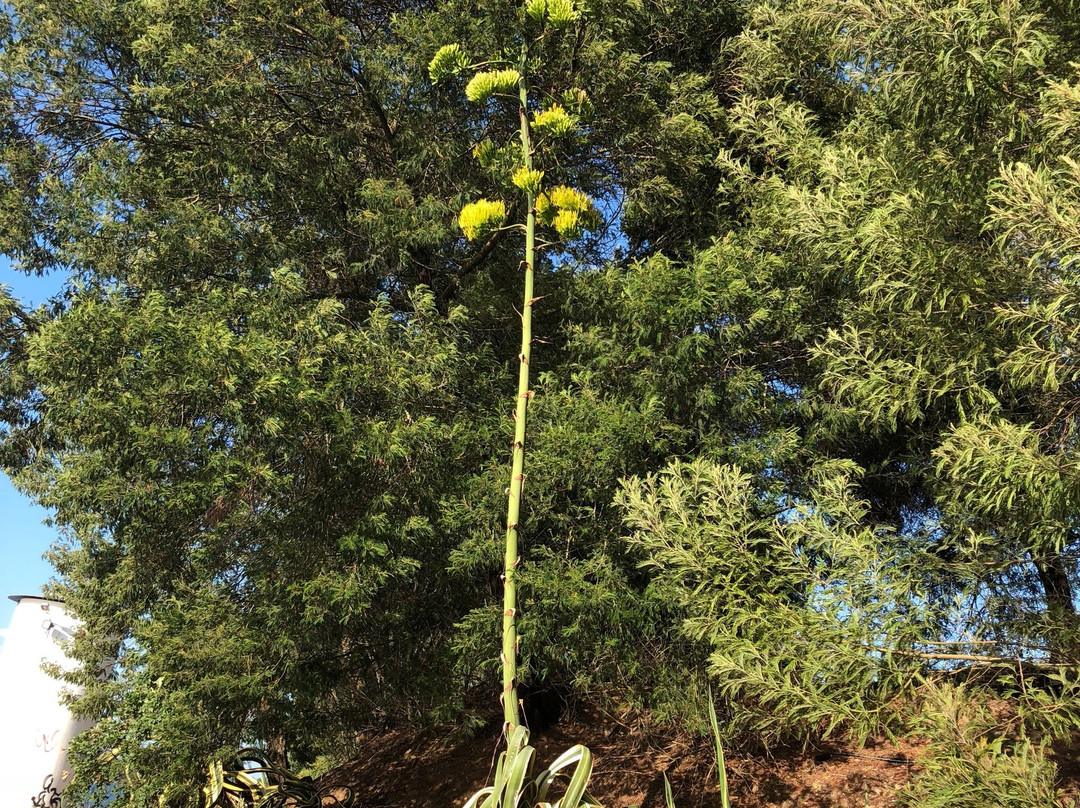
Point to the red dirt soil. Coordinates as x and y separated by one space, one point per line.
411 769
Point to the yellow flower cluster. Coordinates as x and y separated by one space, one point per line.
528 180
559 13
554 121
448 60
480 217
485 153
570 211
486 84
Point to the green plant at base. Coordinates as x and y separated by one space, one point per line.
669 798
721 768
978 760
515 785
266 786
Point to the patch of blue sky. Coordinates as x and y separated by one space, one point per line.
24 538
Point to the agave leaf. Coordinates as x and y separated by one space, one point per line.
216 783
479 795
576 795
519 771
668 797
495 797
721 768
575 791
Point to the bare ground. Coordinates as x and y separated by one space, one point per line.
423 769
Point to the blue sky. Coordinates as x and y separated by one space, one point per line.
23 537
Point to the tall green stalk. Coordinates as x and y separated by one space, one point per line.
569 212
509 696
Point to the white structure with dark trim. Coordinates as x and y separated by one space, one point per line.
35 727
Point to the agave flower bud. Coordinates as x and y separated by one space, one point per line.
485 153
536 9
480 217
565 198
577 100
545 211
449 59
528 180
568 210
567 224
561 13
484 85
554 121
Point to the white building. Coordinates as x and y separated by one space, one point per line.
35 727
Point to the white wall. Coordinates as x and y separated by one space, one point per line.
35 728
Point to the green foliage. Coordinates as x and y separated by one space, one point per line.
829 349
800 605
970 763
320 766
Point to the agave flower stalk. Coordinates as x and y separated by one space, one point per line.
570 212
509 695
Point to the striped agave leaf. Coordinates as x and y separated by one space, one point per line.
516 787
267 786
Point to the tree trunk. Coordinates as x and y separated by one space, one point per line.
276 749
1060 607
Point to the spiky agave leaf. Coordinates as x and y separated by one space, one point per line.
216 783
448 60
481 217
484 85
515 787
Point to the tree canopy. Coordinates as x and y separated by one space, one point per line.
803 424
